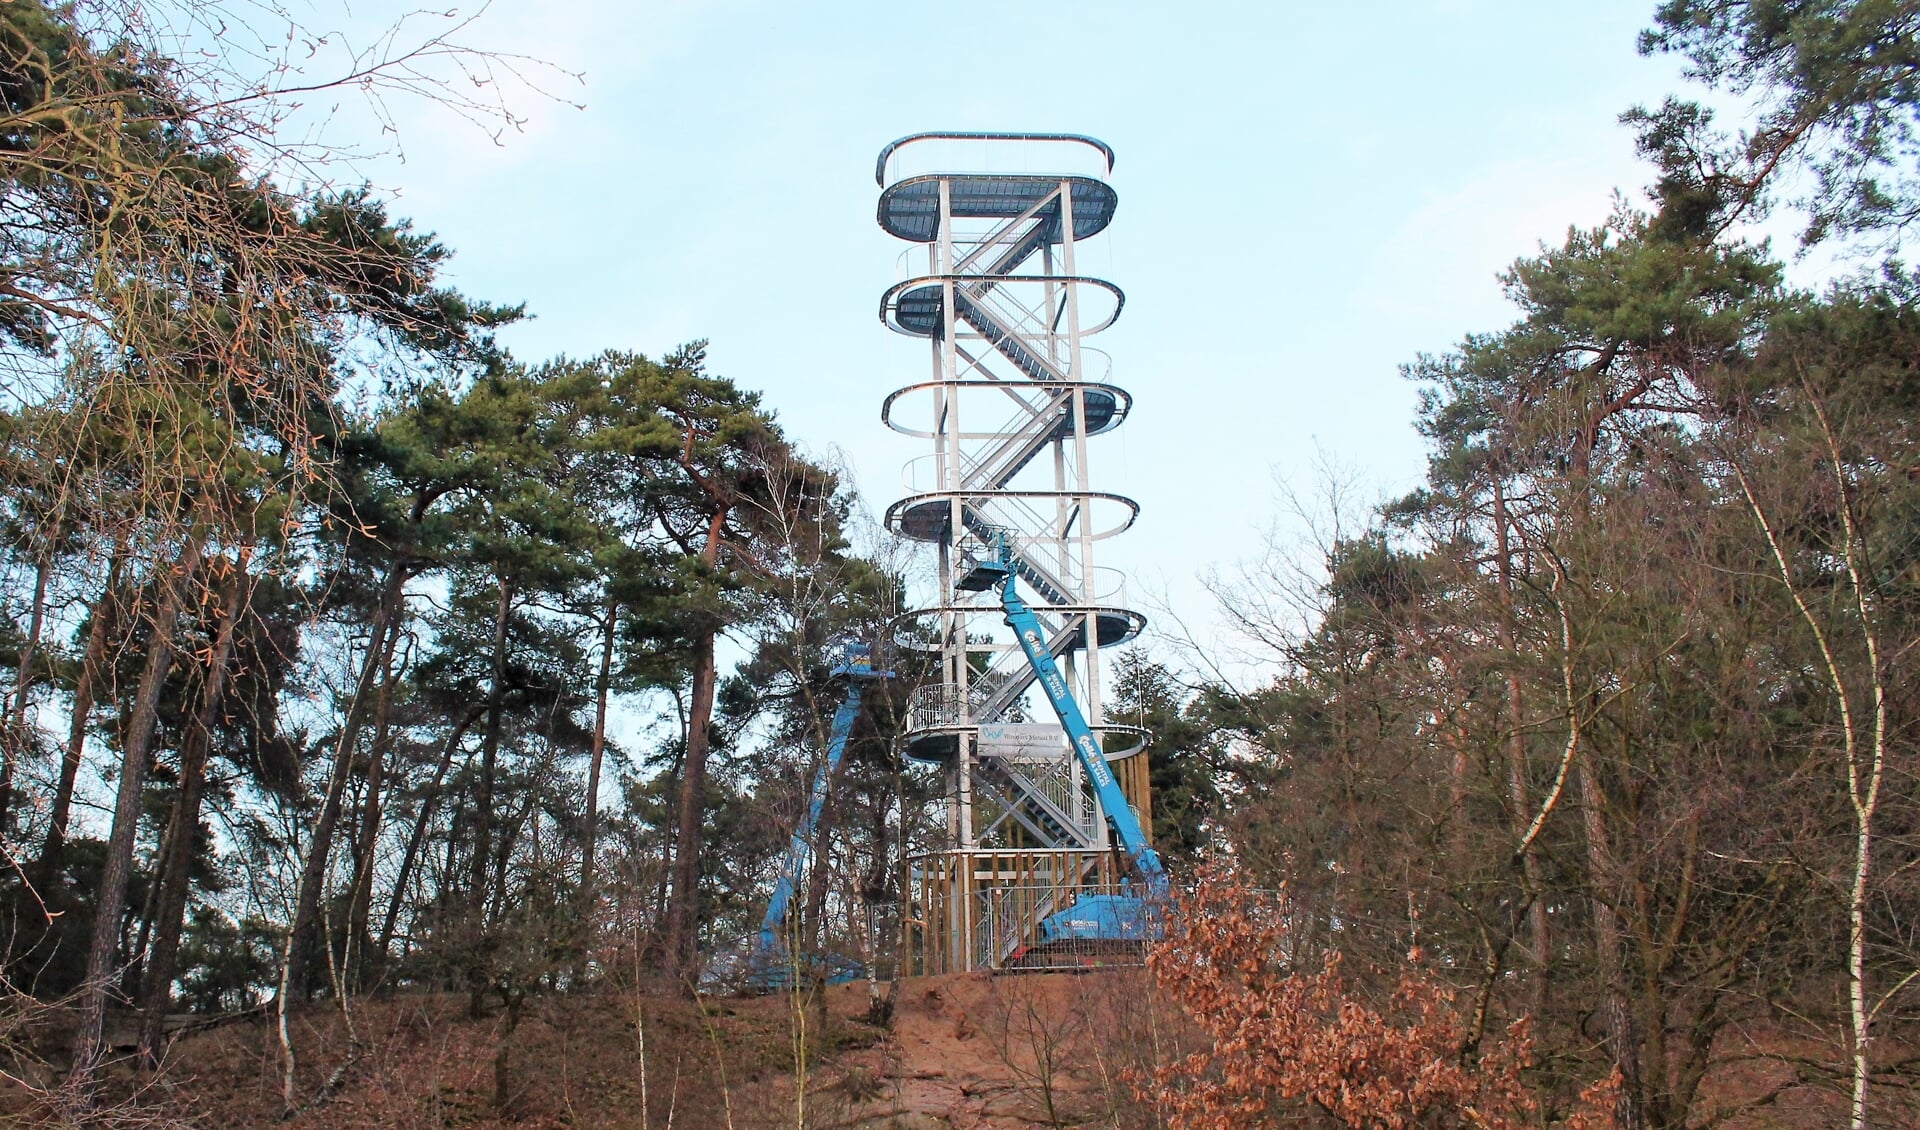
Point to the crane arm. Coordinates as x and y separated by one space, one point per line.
1113 801
800 850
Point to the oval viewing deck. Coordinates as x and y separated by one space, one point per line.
910 209
915 306
1107 407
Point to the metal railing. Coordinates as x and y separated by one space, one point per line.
989 153
985 909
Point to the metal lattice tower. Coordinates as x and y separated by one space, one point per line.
1011 408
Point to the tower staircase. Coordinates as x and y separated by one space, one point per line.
1006 314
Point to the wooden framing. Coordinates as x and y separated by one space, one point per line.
972 910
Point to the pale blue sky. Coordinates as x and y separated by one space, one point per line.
1310 195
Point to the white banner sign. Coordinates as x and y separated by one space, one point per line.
1023 740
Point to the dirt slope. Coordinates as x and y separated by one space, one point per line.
963 1052
973 1052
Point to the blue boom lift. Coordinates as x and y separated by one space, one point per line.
1091 918
770 965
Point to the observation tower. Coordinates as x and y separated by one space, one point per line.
1013 406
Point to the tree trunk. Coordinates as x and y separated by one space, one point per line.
16 726
683 909
1540 941
1623 1038
490 757
173 883
367 839
663 879
1603 878
810 925
105 612
89 1042
592 806
477 943
142 924
313 868
509 839
419 835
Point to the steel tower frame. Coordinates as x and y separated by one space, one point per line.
1013 398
